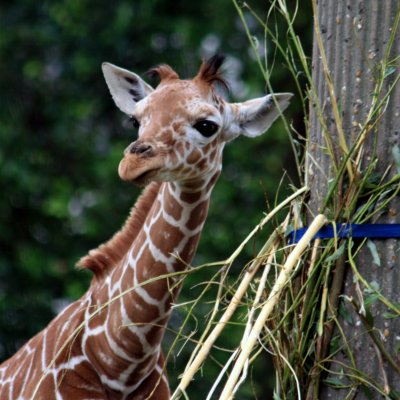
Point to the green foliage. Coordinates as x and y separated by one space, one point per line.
61 139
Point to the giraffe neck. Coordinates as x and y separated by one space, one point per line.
130 330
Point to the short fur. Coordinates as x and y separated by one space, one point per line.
108 254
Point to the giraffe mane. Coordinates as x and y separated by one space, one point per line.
108 254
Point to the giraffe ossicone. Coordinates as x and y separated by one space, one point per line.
108 343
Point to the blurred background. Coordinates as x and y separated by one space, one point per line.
61 139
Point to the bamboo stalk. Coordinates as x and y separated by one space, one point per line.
273 297
209 342
250 319
266 219
192 368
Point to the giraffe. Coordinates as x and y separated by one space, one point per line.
107 344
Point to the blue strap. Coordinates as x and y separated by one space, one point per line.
376 231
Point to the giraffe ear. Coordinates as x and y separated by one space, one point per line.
126 87
253 117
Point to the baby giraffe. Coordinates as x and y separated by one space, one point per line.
107 344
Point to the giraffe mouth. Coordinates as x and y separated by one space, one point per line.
138 170
145 177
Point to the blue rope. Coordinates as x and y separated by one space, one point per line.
375 231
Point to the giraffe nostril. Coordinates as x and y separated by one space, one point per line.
140 148
144 148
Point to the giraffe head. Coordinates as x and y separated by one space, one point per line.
184 124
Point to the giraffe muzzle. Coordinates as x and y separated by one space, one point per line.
141 162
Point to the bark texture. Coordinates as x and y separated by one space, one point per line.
355 36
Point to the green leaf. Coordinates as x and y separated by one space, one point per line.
371 299
367 392
388 315
394 395
335 342
337 253
369 317
276 396
389 71
374 252
344 312
336 382
374 287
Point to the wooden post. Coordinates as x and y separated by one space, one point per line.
355 36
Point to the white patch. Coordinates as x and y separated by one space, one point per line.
126 87
72 363
253 117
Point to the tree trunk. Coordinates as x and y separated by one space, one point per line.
356 36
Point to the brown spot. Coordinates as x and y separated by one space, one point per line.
172 207
6 389
208 147
179 149
138 244
153 386
213 154
18 378
190 197
177 126
156 332
128 274
157 235
46 386
130 343
140 312
98 319
198 215
80 383
190 248
98 349
213 180
194 157
121 333
186 170
145 366
202 164
148 269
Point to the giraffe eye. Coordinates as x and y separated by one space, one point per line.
135 123
206 128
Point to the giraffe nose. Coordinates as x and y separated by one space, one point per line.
139 147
